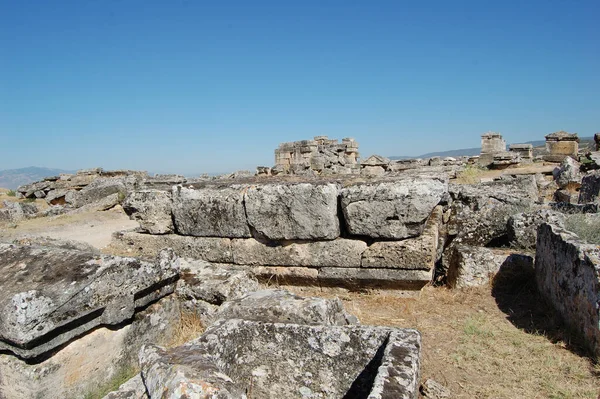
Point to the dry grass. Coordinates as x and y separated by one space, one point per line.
487 342
472 174
190 327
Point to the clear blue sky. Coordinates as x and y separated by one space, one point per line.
198 86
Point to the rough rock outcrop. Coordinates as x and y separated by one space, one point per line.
293 211
567 272
396 210
50 295
152 209
280 306
567 174
133 388
590 188
99 189
14 212
522 227
209 283
275 360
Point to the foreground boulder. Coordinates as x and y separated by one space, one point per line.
152 209
240 358
50 295
567 272
522 227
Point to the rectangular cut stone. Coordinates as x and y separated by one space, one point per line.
392 209
210 211
304 211
567 272
49 295
355 278
210 249
411 253
337 253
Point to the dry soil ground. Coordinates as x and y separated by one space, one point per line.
498 341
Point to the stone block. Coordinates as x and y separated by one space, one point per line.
210 249
210 211
411 253
50 295
337 253
152 209
392 209
293 211
567 272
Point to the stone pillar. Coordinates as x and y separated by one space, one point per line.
491 144
597 141
560 145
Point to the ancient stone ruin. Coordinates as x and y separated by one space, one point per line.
560 145
491 144
525 152
320 155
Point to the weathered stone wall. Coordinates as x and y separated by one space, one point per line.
320 155
378 231
568 276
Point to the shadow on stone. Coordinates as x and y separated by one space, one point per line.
516 294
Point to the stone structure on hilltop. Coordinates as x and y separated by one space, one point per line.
597 141
321 155
491 144
560 145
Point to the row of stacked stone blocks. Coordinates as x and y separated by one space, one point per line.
318 154
390 225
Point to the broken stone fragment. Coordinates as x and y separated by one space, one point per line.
50 295
236 358
392 209
152 209
280 306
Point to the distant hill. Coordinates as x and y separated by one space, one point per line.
13 178
583 142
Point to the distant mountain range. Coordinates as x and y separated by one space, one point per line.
13 178
583 141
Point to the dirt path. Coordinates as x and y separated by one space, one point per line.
94 228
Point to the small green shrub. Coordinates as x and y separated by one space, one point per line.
30 199
587 227
11 193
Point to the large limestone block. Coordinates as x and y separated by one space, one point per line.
567 272
152 209
302 211
50 295
210 249
210 211
235 358
337 253
355 278
411 253
396 209
280 306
